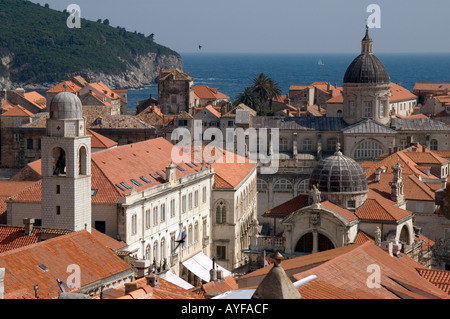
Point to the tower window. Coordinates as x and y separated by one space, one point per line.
58 210
367 109
351 204
58 189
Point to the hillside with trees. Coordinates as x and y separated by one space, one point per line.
37 46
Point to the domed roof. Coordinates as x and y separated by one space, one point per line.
65 106
367 68
339 174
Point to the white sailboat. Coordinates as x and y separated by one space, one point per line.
320 62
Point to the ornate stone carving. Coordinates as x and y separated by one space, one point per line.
315 219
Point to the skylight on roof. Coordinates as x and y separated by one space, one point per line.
194 164
156 178
145 179
94 192
43 267
188 165
126 185
120 187
162 176
135 182
181 168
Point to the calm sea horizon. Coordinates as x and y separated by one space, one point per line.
232 72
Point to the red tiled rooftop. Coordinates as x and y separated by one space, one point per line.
206 92
100 141
18 111
67 86
96 262
349 271
288 207
439 278
399 93
343 212
12 237
379 208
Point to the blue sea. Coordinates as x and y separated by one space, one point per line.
231 73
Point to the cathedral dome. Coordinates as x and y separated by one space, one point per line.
367 68
339 174
66 106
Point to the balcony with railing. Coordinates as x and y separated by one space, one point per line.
267 243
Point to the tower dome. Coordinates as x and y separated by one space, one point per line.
367 68
66 106
341 180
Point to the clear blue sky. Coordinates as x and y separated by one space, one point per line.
277 26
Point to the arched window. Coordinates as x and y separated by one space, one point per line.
59 161
221 213
155 251
368 150
339 113
163 249
82 161
303 186
261 185
305 244
434 145
283 185
404 235
147 252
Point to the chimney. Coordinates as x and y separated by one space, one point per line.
220 276
130 287
2 283
153 281
142 267
213 271
171 174
29 223
417 231
377 175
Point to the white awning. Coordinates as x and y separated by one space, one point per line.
171 277
201 265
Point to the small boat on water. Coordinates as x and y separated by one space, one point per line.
320 62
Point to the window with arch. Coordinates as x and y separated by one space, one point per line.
155 251
221 213
82 161
303 186
283 185
339 113
261 185
147 252
163 249
433 145
59 161
367 150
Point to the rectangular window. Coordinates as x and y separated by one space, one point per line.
172 208
30 144
190 201
196 199
221 252
230 123
58 210
183 204
307 145
383 108
147 218
58 189
155 215
351 204
163 213
134 224
204 194
367 111
352 108
100 225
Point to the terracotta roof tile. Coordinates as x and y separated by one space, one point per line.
100 141
229 283
363 237
440 278
379 208
343 212
18 111
399 93
12 237
96 262
319 289
436 87
349 271
206 92
37 99
288 207
67 86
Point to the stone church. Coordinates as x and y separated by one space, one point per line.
366 127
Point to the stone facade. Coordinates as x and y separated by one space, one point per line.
175 92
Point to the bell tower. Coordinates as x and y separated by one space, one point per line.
66 166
